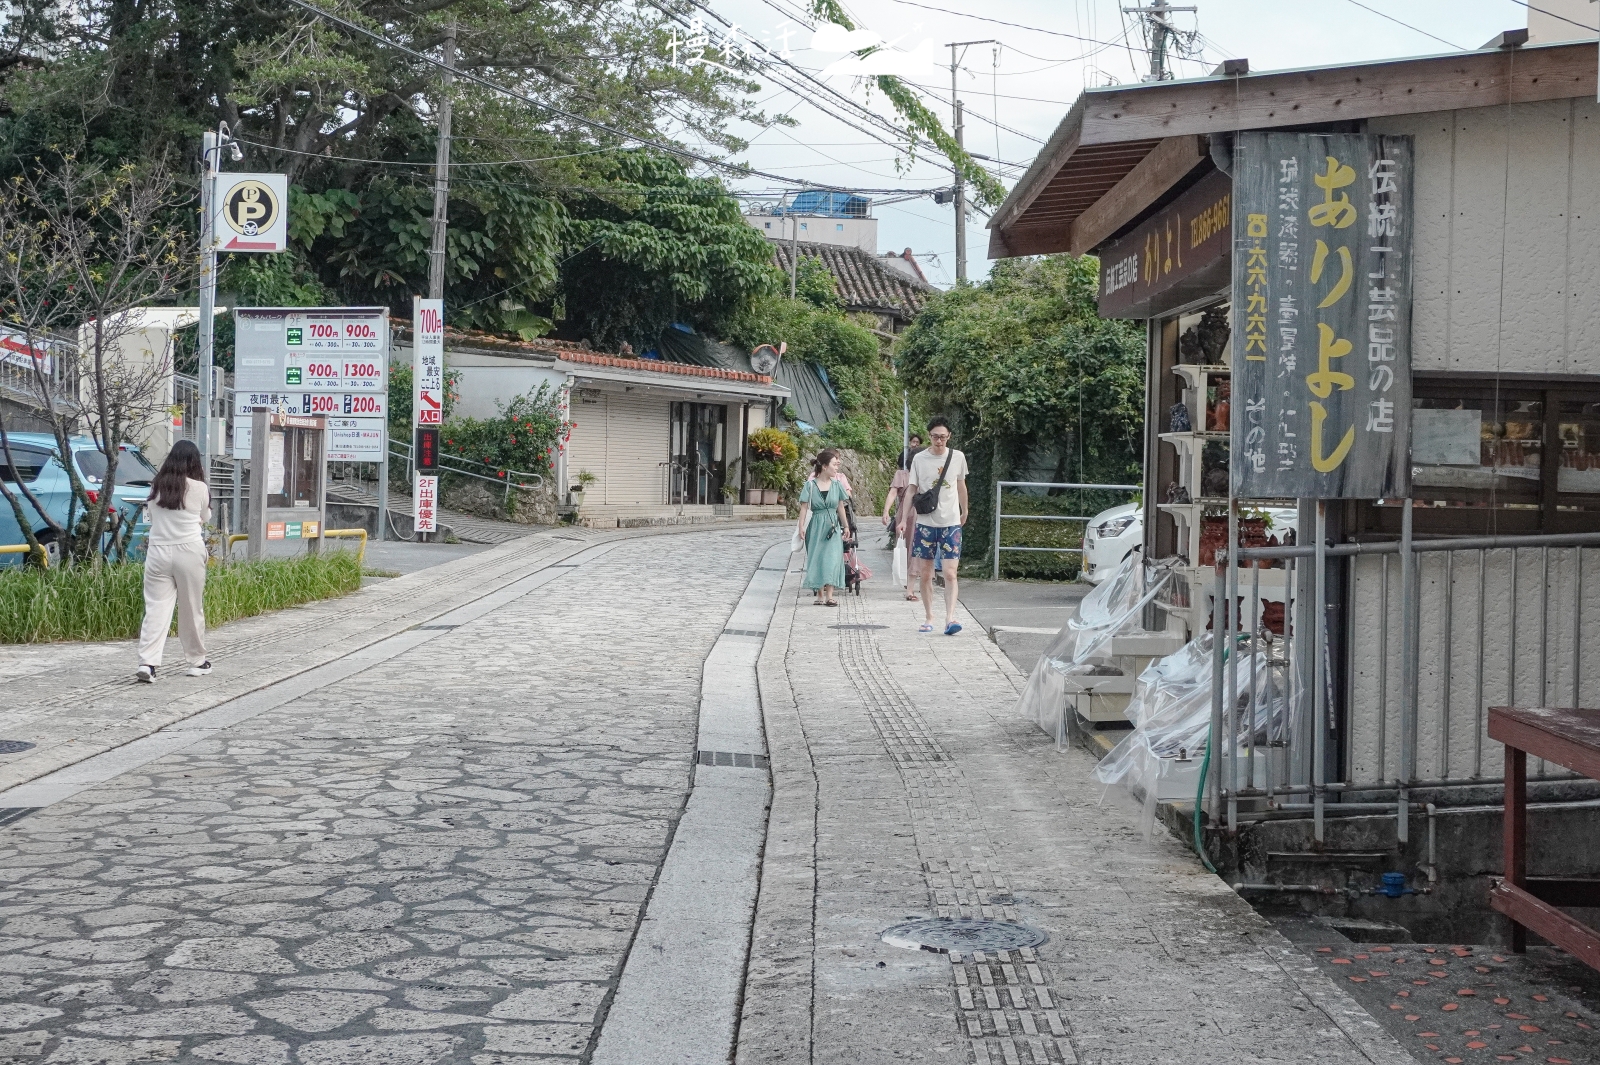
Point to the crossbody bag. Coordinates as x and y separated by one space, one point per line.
927 502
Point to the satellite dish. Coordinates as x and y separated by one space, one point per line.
765 359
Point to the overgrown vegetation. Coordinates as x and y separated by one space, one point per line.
1040 388
106 602
521 440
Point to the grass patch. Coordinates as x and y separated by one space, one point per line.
107 602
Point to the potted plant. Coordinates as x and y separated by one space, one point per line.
585 479
773 452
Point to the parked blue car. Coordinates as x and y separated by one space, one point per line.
38 465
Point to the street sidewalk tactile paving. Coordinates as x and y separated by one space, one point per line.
464 817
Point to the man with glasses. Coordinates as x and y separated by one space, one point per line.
940 469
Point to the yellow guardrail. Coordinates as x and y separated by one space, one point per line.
327 534
334 534
21 549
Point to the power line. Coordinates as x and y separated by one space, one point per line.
1552 14
570 116
1407 25
1003 22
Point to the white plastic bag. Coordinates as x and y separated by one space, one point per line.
796 541
899 560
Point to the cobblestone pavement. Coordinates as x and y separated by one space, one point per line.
440 859
906 787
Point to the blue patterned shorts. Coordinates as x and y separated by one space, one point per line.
930 542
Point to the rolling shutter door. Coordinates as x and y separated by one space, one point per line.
586 448
638 438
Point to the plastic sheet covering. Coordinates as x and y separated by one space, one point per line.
1171 711
1083 646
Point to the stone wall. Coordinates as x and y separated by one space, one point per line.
535 506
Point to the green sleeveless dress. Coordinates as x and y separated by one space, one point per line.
824 554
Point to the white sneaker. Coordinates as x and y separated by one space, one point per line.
203 669
145 675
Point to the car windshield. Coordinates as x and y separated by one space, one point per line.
27 461
132 469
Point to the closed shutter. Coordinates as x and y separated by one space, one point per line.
638 438
586 448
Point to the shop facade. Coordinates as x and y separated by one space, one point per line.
1498 381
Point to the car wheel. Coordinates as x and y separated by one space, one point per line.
52 549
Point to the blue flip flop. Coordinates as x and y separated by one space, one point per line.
952 628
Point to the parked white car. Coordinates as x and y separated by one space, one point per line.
1113 534
1111 537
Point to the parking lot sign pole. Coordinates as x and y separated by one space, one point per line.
211 145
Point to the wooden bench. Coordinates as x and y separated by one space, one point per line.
1569 738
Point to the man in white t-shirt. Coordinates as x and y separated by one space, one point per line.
938 533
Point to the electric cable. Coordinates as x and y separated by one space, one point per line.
1552 14
646 142
1407 25
999 22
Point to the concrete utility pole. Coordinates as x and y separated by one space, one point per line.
1159 34
959 128
441 170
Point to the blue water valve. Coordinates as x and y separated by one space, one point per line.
1394 885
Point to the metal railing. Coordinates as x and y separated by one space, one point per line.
463 467
1416 675
186 394
1001 486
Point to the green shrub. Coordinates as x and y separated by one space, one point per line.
523 439
106 602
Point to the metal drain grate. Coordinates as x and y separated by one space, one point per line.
12 814
744 632
15 746
437 628
729 758
944 935
857 626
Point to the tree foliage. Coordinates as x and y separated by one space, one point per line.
1037 382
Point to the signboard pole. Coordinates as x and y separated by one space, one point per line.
427 403
210 163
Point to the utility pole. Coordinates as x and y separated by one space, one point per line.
958 125
211 147
794 250
1159 34
441 171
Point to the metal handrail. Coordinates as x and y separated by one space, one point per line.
1000 486
401 449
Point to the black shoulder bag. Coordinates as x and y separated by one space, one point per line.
927 502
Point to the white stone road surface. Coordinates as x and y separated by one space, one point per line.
441 858
473 830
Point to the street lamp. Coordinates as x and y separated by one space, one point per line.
211 166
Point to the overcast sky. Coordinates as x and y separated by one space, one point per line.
1032 80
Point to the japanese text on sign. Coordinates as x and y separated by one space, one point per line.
427 407
427 496
1311 286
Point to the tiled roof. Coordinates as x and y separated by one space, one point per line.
863 282
655 366
570 352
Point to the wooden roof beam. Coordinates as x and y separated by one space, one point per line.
1171 161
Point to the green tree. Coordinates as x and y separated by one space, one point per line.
656 246
1034 378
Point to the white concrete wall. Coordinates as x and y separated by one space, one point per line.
487 382
1521 653
1507 244
820 229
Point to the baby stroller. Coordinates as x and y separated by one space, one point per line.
854 571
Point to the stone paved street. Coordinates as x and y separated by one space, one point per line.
441 858
488 837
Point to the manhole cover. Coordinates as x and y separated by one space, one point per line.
14 746
945 934
857 625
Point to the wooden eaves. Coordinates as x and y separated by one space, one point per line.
1120 148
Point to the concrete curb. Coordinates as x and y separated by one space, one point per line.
775 1028
677 1000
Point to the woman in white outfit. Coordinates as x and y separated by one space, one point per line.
175 566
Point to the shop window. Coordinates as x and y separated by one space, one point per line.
1496 459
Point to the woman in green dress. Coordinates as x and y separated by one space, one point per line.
824 525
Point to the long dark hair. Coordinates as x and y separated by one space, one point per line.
172 482
824 457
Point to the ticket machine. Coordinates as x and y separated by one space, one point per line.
288 472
